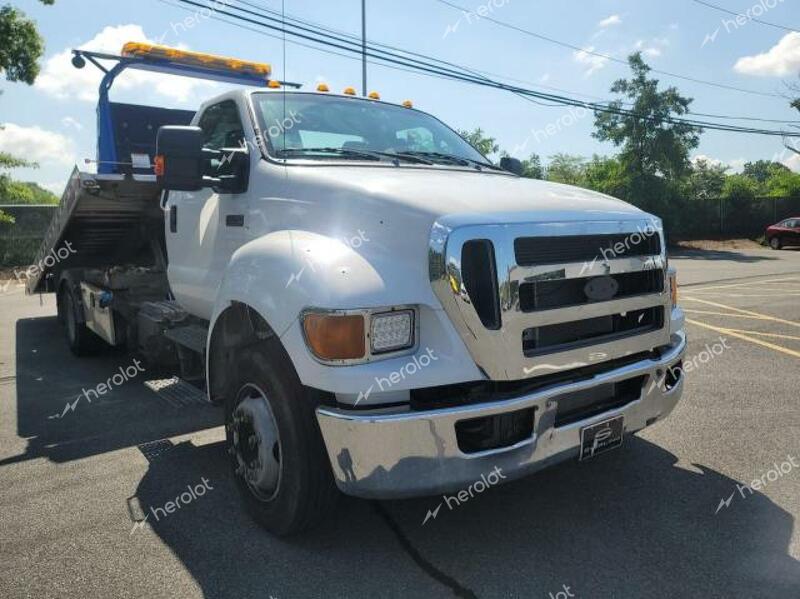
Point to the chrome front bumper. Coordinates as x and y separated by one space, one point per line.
394 453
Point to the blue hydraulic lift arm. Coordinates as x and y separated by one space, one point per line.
107 157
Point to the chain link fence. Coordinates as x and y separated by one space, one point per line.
20 241
729 217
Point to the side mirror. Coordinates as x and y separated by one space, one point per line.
512 165
180 163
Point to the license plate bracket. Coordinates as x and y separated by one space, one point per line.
601 437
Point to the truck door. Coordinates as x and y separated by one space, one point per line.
204 228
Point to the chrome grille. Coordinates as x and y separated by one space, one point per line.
549 320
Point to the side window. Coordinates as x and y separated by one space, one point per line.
222 126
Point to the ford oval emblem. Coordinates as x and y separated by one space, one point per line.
601 289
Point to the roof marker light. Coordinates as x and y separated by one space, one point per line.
408 104
349 91
323 87
374 96
273 84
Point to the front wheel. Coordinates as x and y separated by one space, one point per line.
775 243
274 443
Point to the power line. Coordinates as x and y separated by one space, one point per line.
418 65
485 73
591 52
738 14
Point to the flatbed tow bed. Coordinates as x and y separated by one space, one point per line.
98 216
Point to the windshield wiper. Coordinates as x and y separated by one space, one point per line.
343 152
367 154
460 160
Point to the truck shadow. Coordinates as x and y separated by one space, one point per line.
631 523
63 415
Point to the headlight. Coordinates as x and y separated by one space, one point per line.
344 337
392 331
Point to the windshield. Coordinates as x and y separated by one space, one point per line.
333 127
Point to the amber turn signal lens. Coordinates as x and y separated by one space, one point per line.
673 288
335 337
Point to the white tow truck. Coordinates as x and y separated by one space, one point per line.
378 308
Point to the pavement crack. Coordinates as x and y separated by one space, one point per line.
458 589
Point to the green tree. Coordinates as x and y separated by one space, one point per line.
480 141
653 145
21 46
606 175
706 180
761 170
782 183
566 168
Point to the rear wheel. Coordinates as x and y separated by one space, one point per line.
775 243
273 440
81 340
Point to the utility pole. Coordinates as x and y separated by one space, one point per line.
364 47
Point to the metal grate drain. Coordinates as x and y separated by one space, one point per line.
177 392
152 449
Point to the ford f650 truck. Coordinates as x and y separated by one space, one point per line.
376 306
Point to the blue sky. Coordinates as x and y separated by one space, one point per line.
53 121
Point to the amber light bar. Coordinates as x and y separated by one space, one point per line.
196 59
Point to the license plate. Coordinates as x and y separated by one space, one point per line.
601 437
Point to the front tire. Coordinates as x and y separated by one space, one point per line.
775 243
277 454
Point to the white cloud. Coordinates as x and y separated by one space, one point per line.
610 21
544 78
70 122
652 50
736 165
781 60
592 62
793 162
36 144
56 187
60 79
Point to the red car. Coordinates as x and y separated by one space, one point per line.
786 232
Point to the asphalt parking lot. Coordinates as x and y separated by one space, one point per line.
676 512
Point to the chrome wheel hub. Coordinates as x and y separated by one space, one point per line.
256 443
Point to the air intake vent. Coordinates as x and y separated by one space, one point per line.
480 279
534 251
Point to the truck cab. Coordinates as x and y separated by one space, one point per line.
382 311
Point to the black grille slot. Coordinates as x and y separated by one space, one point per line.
574 407
493 432
563 293
480 280
566 336
533 251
